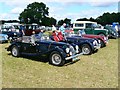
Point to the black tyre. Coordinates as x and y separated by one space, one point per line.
56 59
15 51
86 49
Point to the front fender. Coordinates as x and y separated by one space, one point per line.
14 44
61 51
87 42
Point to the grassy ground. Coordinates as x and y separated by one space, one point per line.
99 70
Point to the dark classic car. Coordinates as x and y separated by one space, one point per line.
103 39
11 34
86 45
56 52
29 28
111 31
10 30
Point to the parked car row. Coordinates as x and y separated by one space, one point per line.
93 28
3 38
86 45
58 48
70 47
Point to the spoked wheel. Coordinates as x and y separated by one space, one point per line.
56 59
15 51
86 49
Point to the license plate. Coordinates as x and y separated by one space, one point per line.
75 59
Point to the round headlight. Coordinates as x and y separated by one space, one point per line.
77 48
15 34
47 38
67 50
72 50
113 33
95 42
99 41
70 53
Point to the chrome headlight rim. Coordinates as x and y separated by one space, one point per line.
77 48
99 41
15 34
67 50
95 42
71 53
72 50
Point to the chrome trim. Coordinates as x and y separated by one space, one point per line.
68 58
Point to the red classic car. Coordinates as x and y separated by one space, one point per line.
103 39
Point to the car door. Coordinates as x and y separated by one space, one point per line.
42 47
29 48
89 29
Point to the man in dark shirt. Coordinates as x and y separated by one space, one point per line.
22 30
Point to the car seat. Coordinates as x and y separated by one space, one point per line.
55 37
60 36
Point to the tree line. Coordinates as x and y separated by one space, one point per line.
106 18
38 13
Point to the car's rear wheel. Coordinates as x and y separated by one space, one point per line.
86 49
15 51
56 59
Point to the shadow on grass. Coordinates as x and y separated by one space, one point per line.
44 60
70 62
31 57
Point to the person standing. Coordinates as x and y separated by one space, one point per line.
53 28
22 30
62 28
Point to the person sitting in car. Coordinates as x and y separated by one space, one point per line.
40 34
33 37
57 36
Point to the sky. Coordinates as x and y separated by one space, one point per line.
60 9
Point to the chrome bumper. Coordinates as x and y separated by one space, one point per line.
74 56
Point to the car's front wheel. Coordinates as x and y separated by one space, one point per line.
56 59
86 50
15 51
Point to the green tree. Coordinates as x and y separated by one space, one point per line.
108 18
49 21
66 20
60 22
34 13
82 19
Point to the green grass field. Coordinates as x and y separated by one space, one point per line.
99 70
